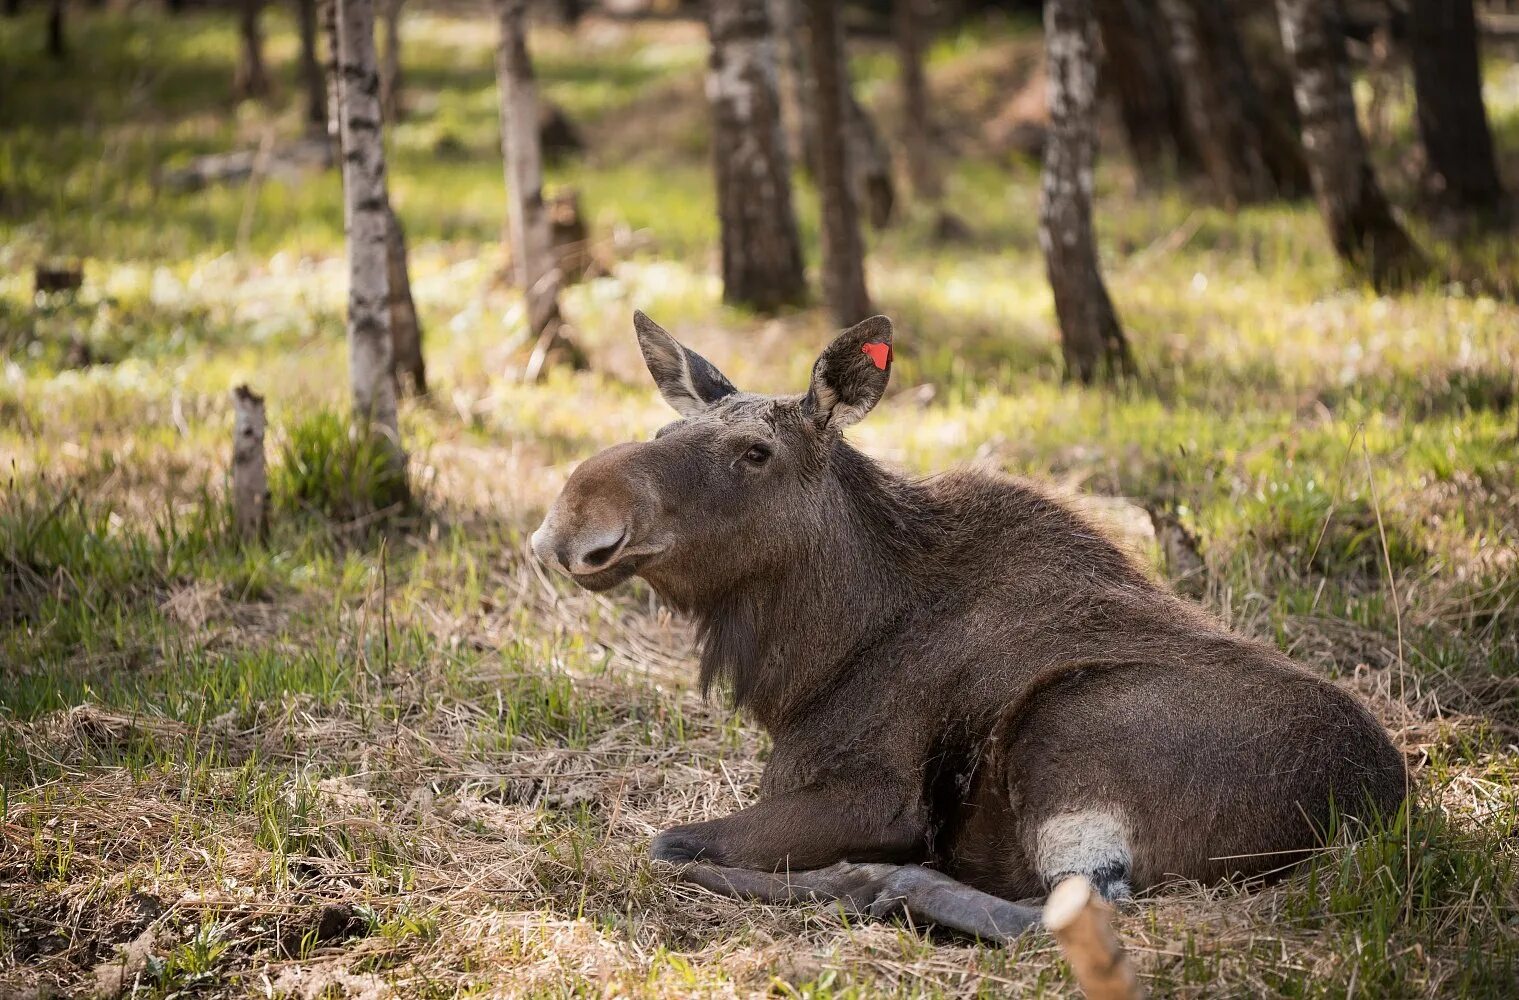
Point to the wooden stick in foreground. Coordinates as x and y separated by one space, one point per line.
1081 923
250 483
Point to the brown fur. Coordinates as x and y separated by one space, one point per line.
946 665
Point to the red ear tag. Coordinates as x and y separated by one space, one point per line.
880 354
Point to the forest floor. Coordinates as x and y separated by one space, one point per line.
385 754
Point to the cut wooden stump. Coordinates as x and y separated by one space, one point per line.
1082 924
250 481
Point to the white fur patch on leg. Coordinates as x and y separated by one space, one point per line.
1091 842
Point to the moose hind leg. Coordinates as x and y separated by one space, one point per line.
855 886
1093 843
932 896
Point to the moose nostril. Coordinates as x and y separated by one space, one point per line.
603 555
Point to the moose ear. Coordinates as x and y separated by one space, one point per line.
688 381
850 375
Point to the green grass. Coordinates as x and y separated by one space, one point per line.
399 717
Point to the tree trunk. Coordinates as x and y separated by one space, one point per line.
1360 221
408 365
912 27
405 328
532 250
1452 119
57 46
1091 340
1137 71
367 215
1216 89
327 12
869 160
796 100
762 253
311 69
870 175
390 64
252 80
1270 137
843 248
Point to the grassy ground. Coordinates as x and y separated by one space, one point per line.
392 755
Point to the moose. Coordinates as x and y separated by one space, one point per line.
972 693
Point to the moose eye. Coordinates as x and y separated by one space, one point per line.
757 454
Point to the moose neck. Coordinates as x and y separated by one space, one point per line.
784 636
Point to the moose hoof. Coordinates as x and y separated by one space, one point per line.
679 847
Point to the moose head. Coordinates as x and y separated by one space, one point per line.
728 491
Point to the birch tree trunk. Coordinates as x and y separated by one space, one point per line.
312 77
367 217
1268 138
1091 341
1452 118
911 24
1360 221
843 248
761 251
799 109
252 80
869 159
1137 71
390 64
408 364
1214 87
532 250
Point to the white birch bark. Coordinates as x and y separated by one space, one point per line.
367 217
761 251
533 259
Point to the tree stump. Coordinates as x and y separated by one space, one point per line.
250 481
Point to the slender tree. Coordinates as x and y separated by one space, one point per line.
1091 340
870 172
762 253
798 109
366 213
1265 85
869 159
251 80
1137 71
843 247
911 25
407 361
1360 221
312 78
1214 87
532 251
390 61
57 44
1458 144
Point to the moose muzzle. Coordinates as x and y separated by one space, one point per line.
591 531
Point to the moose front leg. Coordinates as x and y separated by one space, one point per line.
808 828
855 886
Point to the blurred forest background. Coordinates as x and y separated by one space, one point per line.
286 707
